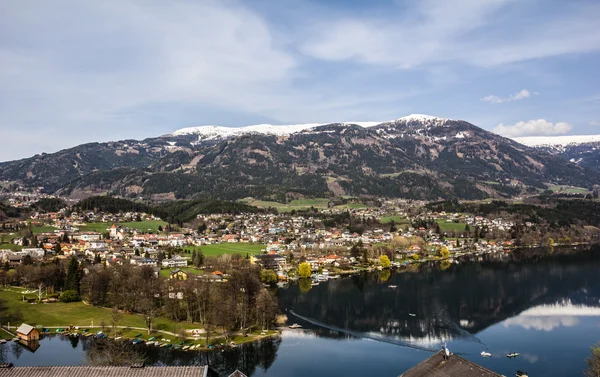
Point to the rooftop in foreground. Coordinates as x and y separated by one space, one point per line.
92 371
455 366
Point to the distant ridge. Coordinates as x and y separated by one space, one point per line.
535 141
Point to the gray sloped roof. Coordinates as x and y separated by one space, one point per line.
455 366
25 329
90 371
237 373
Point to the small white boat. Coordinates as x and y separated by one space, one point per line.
185 348
512 355
412 314
392 286
520 373
486 354
295 326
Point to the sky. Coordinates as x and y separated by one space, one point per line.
76 71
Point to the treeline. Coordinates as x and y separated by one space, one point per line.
7 211
49 204
187 210
111 204
559 212
175 212
241 303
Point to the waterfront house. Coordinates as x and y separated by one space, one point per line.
28 333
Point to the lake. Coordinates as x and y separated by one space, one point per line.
544 305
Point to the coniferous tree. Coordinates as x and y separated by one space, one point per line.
73 279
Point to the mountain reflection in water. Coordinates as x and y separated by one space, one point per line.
454 303
546 306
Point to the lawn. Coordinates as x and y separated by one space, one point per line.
228 248
447 227
351 206
146 225
166 272
296 204
397 219
95 227
43 229
568 189
10 246
75 313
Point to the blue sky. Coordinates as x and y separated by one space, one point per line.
80 71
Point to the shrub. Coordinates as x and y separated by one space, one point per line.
69 296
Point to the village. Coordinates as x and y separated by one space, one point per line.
276 241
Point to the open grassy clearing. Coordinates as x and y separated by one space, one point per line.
10 246
190 270
448 226
43 229
74 313
227 248
397 219
297 204
568 189
146 225
95 227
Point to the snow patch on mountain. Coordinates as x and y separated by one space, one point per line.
207 132
556 141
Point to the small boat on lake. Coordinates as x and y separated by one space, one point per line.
392 286
520 373
412 314
512 355
295 326
486 354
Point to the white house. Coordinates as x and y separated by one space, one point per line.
176 261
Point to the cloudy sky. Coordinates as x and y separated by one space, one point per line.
76 71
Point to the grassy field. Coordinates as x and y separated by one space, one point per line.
95 227
447 227
397 219
568 189
74 313
192 271
350 206
43 229
297 204
146 225
227 248
10 246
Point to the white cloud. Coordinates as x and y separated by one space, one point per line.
541 323
481 33
537 127
522 94
595 123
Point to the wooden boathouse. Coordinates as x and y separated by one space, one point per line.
28 333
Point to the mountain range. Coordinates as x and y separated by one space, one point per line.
418 156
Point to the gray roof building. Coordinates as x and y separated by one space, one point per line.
454 366
91 371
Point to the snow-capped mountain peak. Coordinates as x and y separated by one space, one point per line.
556 141
421 118
206 132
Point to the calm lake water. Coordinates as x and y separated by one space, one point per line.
546 306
